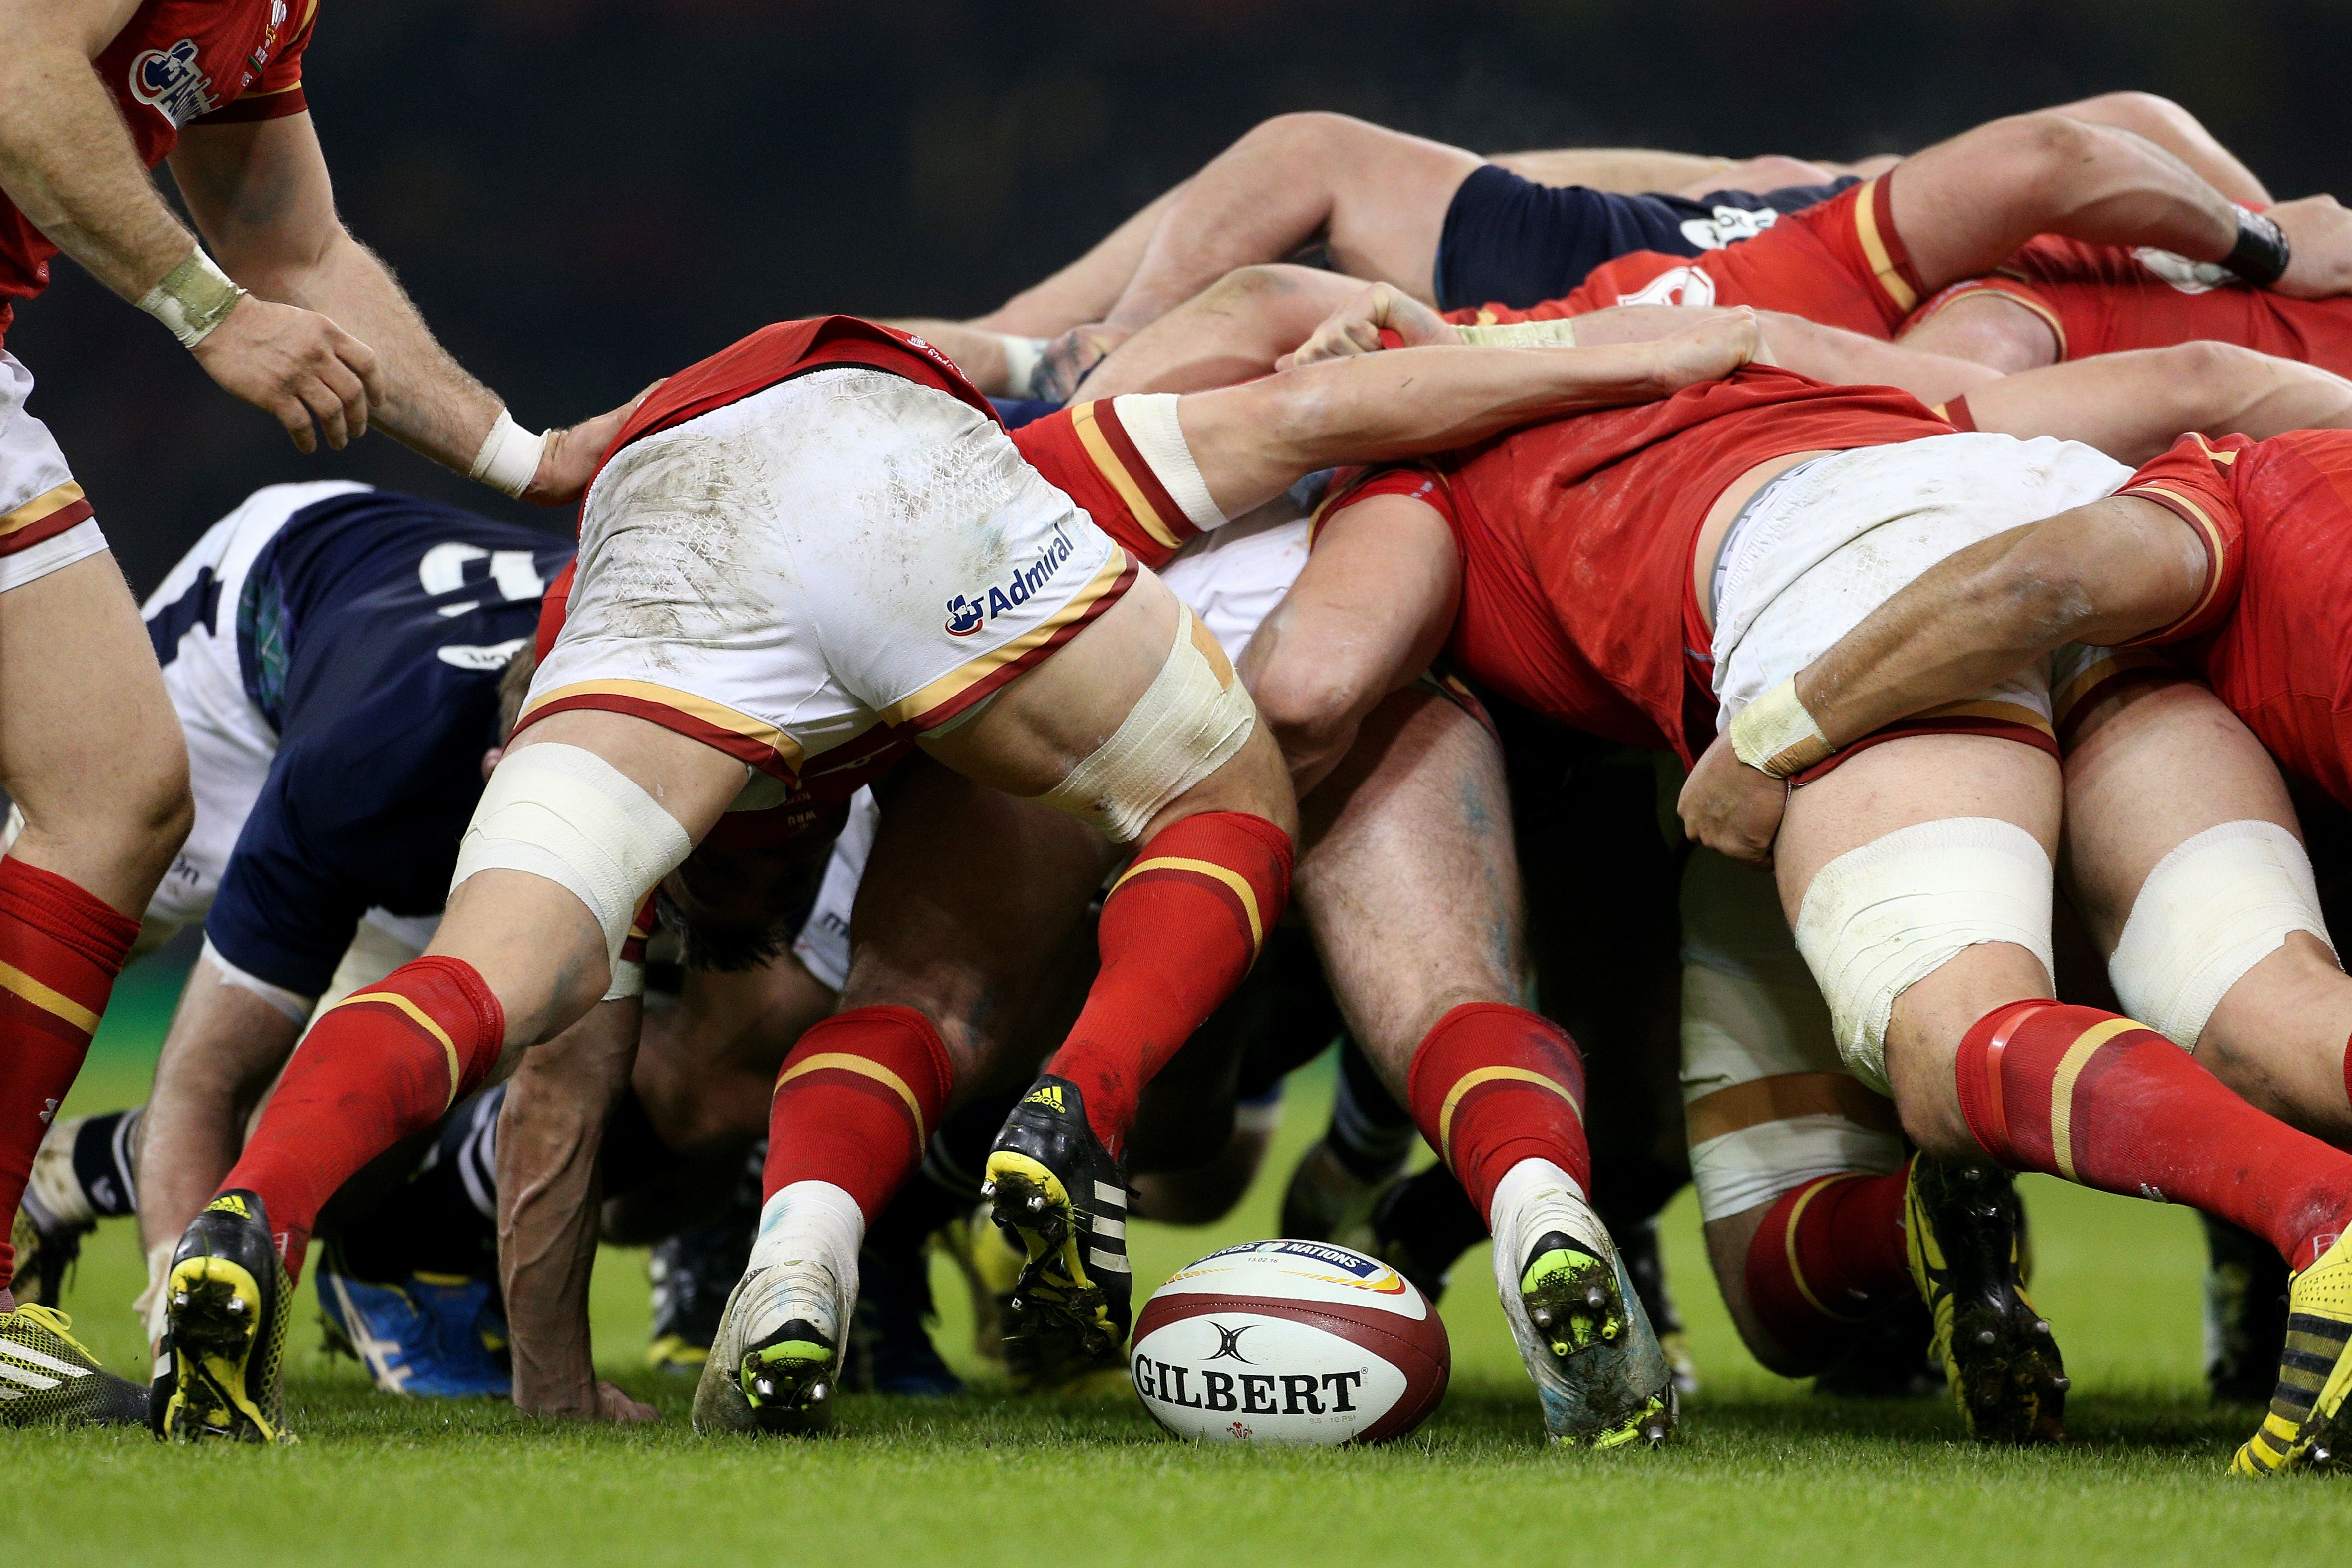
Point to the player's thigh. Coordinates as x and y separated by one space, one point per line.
1409 879
1987 329
89 747
1390 192
972 906
1963 206
2002 800
2165 776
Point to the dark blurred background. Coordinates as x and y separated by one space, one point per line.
584 194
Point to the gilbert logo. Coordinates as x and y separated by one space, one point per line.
170 82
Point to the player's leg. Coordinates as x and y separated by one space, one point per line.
2203 896
90 752
609 802
1234 329
968 900
1376 198
1411 886
1088 289
1982 1063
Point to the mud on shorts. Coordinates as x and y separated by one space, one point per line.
843 557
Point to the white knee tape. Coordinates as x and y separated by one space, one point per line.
2216 906
1878 920
567 815
1738 1029
1194 716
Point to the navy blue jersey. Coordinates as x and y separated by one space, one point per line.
1509 241
371 630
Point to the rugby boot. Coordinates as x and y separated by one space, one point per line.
2245 1314
1053 1187
991 1262
2306 1426
1963 1226
890 1349
222 1368
430 1336
1325 1201
775 1361
691 1274
1598 1367
46 1249
1421 1227
49 1377
1892 1356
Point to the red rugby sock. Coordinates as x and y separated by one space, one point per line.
1491 1085
374 1068
2098 1099
1829 1256
856 1103
61 949
1177 934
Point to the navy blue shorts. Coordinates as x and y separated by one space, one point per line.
1510 241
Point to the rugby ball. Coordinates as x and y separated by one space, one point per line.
1289 1342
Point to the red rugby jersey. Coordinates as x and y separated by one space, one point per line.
177 63
1576 538
2272 629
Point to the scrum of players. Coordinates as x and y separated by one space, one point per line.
961 768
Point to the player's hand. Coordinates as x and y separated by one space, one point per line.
1732 808
569 459
1355 327
618 1409
298 366
2319 239
1720 345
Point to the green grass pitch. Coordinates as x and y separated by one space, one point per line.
1764 1474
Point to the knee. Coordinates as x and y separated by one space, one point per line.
1315 137
134 827
1312 709
2144 114
2041 152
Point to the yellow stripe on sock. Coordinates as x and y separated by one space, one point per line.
842 1061
2061 1089
1470 1081
49 1001
424 1022
1226 873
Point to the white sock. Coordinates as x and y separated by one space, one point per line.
810 1219
1525 1180
1021 357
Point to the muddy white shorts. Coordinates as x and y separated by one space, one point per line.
1821 548
1232 578
44 520
839 552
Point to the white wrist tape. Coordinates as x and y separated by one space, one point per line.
2216 906
1021 358
508 459
1880 919
1194 716
1149 418
292 1004
1776 735
192 299
567 815
1555 334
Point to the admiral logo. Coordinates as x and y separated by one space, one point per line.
1248 1392
170 82
967 614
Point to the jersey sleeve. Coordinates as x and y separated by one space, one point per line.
1124 460
277 92
2194 482
1421 483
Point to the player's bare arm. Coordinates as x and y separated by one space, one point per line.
2101 574
549 1132
67 162
262 195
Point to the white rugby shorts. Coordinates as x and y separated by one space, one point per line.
45 520
843 551
1819 550
1232 578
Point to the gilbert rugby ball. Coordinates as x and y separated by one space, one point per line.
1289 1342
